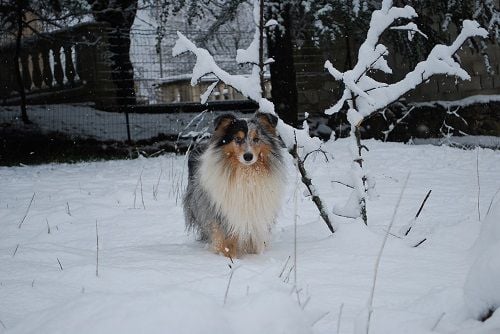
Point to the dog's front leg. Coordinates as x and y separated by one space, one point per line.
224 244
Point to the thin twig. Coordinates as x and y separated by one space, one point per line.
3 325
27 210
379 256
284 267
15 250
306 302
142 195
423 203
355 133
60 265
48 226
308 183
339 317
438 321
136 186
319 318
342 215
392 234
233 269
478 184
316 151
420 242
419 210
491 202
97 250
344 184
387 132
295 215
155 189
287 278
297 293
68 211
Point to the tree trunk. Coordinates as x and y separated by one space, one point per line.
283 81
120 16
17 65
122 71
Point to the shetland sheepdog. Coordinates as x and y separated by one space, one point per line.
235 184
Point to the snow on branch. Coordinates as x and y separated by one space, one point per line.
365 95
251 54
412 28
248 85
371 95
205 64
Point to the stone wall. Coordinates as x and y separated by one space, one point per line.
67 65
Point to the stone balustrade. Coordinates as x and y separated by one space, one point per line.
67 65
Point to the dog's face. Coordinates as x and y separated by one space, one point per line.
246 141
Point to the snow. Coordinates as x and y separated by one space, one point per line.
155 278
173 312
462 141
251 54
482 292
468 101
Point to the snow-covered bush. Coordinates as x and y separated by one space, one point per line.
364 95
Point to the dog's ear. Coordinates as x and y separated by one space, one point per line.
268 121
222 122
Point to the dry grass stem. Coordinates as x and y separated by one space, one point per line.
339 317
437 322
68 211
233 269
491 202
478 185
60 265
27 210
380 253
284 267
97 250
419 210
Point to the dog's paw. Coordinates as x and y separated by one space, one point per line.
228 248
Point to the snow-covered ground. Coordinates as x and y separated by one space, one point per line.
154 278
83 121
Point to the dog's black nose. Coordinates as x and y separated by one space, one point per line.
248 156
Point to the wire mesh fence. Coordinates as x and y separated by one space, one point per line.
84 121
162 78
67 81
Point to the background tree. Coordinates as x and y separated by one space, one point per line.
440 19
280 44
120 15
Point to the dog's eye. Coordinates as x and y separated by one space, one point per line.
256 140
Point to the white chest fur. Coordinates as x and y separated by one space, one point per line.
249 198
